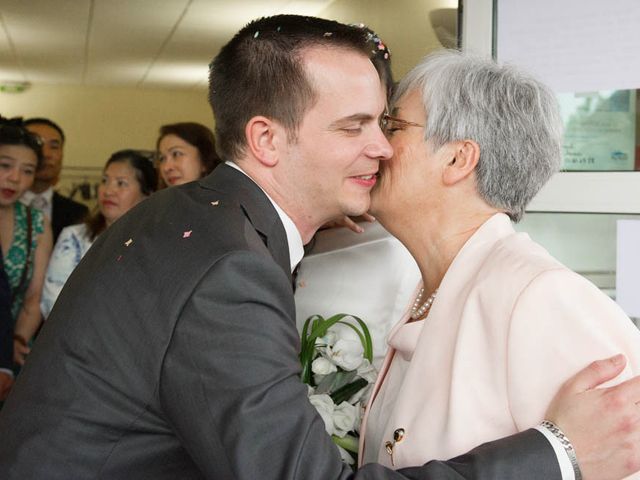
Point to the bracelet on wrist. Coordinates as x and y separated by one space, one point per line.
566 444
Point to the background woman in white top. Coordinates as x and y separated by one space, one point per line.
128 178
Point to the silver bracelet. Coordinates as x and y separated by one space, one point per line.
566 444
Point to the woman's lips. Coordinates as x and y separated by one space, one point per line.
7 192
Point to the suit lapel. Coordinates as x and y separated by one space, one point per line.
257 208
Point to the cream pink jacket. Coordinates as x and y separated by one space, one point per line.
509 325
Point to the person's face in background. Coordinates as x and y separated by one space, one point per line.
17 171
119 191
179 161
52 150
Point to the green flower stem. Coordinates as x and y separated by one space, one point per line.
345 393
348 442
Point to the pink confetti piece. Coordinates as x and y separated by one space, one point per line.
119 258
187 234
128 242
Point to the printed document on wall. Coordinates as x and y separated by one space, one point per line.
600 130
572 45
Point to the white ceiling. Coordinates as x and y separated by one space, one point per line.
144 43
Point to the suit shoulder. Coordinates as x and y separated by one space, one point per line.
69 204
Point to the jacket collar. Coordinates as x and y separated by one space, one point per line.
257 208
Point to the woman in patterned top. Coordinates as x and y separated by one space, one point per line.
24 232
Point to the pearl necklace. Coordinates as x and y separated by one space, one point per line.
419 310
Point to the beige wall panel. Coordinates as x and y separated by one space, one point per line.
100 120
405 25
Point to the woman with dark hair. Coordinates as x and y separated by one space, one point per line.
186 152
24 232
128 178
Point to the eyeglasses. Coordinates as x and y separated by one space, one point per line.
390 125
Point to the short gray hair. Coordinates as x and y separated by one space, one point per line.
512 116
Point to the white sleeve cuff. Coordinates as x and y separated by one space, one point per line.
6 370
563 458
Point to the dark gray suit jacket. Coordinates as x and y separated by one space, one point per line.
65 212
172 354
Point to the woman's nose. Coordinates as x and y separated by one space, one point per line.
14 175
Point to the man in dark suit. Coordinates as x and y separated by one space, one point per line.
172 351
60 210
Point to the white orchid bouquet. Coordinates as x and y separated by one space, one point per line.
336 355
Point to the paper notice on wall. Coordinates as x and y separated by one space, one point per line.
572 45
600 130
628 267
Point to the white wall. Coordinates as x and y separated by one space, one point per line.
100 120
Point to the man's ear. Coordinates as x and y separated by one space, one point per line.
263 138
466 155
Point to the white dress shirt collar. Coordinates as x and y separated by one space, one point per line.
294 240
29 196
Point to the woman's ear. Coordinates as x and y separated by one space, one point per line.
263 139
466 155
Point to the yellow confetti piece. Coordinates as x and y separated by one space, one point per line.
216 203
128 242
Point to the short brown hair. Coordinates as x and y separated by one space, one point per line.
260 72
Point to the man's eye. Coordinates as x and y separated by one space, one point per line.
352 131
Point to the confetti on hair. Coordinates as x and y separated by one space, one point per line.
119 258
255 35
187 234
328 34
128 242
216 203
278 29
373 38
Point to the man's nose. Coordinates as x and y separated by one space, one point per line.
380 147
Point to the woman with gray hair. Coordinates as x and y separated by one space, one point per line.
497 325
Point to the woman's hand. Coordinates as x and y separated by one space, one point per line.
20 350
